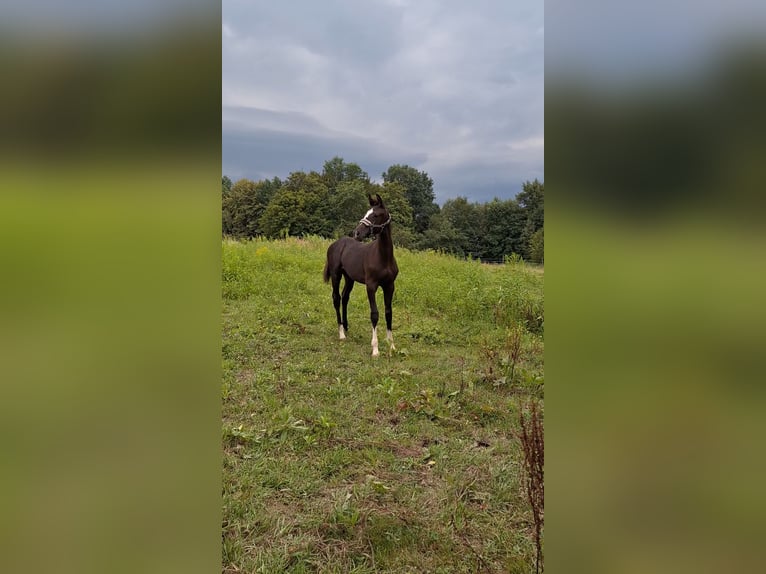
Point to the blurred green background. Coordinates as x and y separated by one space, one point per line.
110 155
655 279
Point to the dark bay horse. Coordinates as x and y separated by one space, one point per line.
371 264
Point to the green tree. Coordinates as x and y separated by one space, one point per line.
537 246
503 225
348 186
337 171
348 205
243 206
299 207
466 219
226 216
268 189
532 202
441 236
419 191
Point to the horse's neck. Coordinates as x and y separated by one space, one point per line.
385 245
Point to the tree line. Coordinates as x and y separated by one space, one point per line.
330 203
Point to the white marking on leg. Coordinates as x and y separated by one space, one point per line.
390 339
341 332
375 351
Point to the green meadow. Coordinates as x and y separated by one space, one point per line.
334 461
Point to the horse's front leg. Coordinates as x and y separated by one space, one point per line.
388 295
371 289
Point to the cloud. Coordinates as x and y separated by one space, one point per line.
442 86
265 144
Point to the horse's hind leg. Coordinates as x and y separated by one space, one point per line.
336 303
388 295
348 285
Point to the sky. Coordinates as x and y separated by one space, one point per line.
449 87
633 42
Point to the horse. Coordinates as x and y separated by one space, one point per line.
372 264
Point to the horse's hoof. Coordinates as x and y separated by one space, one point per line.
375 353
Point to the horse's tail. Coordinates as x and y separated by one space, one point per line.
327 270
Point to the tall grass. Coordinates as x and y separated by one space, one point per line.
443 287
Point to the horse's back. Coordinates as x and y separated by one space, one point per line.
336 249
346 256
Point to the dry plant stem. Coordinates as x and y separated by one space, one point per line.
531 437
514 345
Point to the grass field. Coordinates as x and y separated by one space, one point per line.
337 462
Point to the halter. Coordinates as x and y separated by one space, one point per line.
373 226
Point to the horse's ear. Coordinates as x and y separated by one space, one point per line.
372 201
380 201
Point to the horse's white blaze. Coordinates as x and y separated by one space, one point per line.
367 215
390 338
375 351
341 332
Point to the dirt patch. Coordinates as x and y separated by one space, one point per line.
407 451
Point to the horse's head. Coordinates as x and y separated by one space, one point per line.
374 221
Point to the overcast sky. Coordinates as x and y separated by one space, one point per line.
453 88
